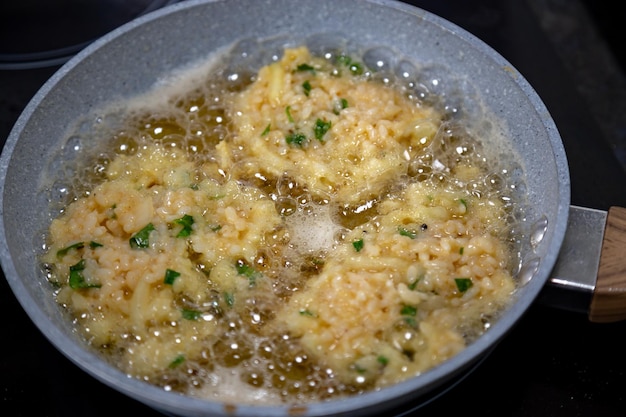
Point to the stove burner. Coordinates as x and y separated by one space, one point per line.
43 33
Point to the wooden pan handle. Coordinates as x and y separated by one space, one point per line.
608 303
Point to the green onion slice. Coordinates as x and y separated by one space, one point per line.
306 87
266 130
320 129
189 314
170 276
177 361
297 139
62 252
305 67
77 279
186 221
140 240
248 272
463 284
406 232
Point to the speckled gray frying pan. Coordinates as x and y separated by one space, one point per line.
131 59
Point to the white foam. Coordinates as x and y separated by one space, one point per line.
312 229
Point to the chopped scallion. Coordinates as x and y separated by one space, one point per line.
356 68
297 139
414 283
305 67
266 130
408 311
306 87
344 60
189 314
408 315
410 321
339 105
170 276
141 239
77 279
406 232
229 298
177 361
186 221
463 284
62 252
248 272
288 112
357 367
320 129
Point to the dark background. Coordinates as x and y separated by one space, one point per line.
552 363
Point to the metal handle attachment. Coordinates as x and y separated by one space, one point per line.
590 274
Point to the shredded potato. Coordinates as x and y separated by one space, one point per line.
329 244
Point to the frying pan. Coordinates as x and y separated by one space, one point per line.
130 60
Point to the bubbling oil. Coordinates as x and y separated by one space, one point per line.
243 356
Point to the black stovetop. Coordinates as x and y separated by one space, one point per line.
553 362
